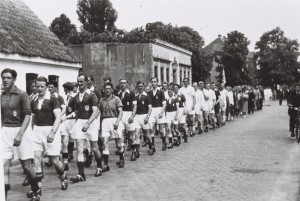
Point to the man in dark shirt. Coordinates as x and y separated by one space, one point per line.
46 120
86 111
141 120
111 115
129 108
15 133
294 104
158 117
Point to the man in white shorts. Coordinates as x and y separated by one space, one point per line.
223 102
172 112
158 116
141 120
15 132
199 97
86 111
67 128
129 109
189 94
206 106
211 104
182 114
111 109
46 137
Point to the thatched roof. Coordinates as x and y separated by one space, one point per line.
23 33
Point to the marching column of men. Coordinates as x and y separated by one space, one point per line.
89 118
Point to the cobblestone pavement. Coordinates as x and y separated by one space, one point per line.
251 159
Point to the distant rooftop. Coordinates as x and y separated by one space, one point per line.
215 45
23 33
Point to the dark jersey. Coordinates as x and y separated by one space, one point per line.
97 92
83 108
70 106
14 106
181 100
157 98
109 107
143 101
60 100
171 105
44 115
128 100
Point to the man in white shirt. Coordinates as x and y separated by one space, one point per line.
211 103
199 97
224 97
189 94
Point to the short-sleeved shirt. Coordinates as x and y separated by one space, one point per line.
128 99
199 97
97 92
43 110
157 98
84 103
171 105
143 100
188 93
109 107
60 100
14 106
181 100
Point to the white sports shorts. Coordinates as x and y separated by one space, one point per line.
107 128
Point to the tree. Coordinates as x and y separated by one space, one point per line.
61 27
277 58
232 59
97 16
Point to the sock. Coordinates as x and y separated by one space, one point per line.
39 177
60 171
145 139
105 158
7 188
132 147
164 139
34 184
99 162
179 138
65 158
137 147
70 148
152 138
170 140
121 155
80 166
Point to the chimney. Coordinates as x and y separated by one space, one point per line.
219 36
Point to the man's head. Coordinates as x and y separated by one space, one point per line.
9 77
90 81
154 82
171 85
41 85
201 85
185 82
123 84
33 87
108 89
164 86
207 86
107 80
170 93
75 89
68 87
195 85
82 82
140 86
176 88
52 87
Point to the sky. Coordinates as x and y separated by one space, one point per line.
209 17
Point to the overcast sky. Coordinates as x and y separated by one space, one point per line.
208 17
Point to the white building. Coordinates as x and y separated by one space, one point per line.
30 48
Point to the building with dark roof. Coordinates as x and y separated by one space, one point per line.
29 47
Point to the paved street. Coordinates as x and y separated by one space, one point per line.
251 159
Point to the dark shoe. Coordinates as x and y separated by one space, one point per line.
63 181
26 182
137 154
200 131
151 152
106 168
154 149
292 134
206 129
175 143
30 194
128 148
170 146
98 172
133 157
185 139
191 134
164 146
77 178
121 163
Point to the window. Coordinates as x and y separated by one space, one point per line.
155 71
29 78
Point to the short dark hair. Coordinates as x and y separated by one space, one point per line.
123 79
140 82
42 79
68 86
91 77
54 83
172 84
154 78
32 81
108 84
107 78
11 71
177 85
165 83
185 79
75 84
85 77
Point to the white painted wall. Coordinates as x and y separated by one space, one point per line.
66 72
